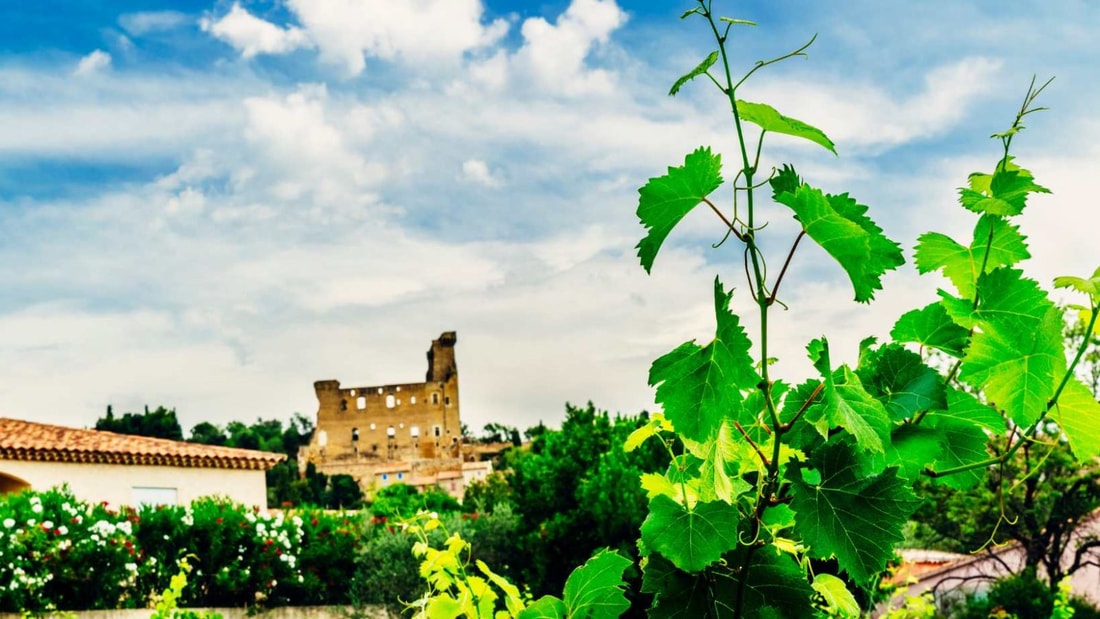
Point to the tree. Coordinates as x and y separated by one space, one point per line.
207 433
576 490
160 423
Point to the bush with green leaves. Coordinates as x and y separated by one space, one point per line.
57 552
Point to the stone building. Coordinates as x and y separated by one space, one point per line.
361 430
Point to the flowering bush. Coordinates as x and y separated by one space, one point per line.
57 552
60 553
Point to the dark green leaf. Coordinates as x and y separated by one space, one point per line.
665 200
768 119
963 444
839 225
931 327
776 585
707 63
914 448
691 539
901 381
699 387
855 518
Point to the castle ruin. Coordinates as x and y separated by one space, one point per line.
401 432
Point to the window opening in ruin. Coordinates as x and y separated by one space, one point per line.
379 391
343 405
372 426
355 435
390 432
414 431
352 392
389 401
361 402
438 431
399 388
435 398
447 401
374 447
412 399
401 425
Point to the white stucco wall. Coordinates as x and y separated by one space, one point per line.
115 483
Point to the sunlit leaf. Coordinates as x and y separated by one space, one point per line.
691 539
838 599
840 226
768 119
665 200
699 387
931 327
1078 414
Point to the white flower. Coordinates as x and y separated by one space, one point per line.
63 530
47 524
132 567
36 508
9 523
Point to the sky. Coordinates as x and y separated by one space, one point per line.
210 205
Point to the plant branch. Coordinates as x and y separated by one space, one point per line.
786 263
748 438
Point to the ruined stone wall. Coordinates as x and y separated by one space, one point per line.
397 422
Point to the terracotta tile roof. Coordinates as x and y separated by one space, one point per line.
39 442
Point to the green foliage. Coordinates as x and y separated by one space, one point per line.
167 606
159 423
398 501
787 502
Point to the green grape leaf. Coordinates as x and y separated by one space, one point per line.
721 456
1090 286
1016 362
595 590
691 539
665 200
963 444
1006 293
776 585
768 119
855 518
931 327
901 381
654 426
965 408
839 225
1002 193
546 607
1078 414
914 448
846 404
677 595
699 387
996 243
702 68
838 599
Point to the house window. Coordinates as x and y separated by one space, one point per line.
145 495
385 477
435 399
390 432
401 476
343 405
361 402
452 485
389 401
447 401
414 431
438 431
355 435
372 426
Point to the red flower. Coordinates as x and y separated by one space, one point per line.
219 521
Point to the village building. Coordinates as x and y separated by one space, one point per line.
397 433
123 469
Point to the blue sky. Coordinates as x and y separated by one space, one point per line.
210 205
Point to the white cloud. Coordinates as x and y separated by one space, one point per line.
252 36
413 31
477 171
93 63
553 56
143 22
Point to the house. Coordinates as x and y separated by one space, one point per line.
122 469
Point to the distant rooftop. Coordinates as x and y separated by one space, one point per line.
40 442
